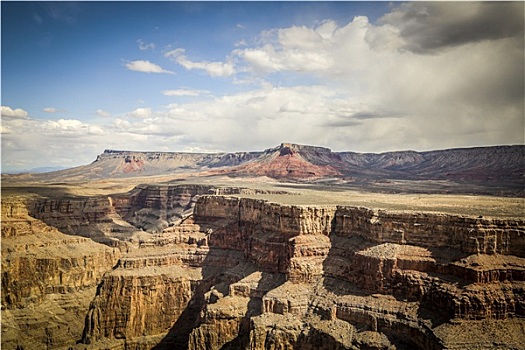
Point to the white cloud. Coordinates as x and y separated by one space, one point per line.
214 69
240 43
50 110
413 99
251 120
13 113
299 49
71 126
146 67
5 129
140 113
102 113
185 92
30 143
143 46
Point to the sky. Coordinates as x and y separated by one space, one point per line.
81 77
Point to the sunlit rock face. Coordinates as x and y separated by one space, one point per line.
48 280
216 271
264 275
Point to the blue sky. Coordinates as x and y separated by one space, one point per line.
80 77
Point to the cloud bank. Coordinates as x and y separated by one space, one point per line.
13 113
424 76
428 27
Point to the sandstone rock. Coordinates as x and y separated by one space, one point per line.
48 279
133 303
471 235
92 217
290 161
287 332
56 322
156 207
242 273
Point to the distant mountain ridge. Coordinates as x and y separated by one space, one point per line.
288 161
43 169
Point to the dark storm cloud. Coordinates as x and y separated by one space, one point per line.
356 119
341 123
370 115
427 27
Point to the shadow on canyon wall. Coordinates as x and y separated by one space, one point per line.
349 272
221 279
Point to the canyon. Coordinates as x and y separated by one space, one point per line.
182 266
295 247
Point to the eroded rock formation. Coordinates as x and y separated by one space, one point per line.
260 275
216 271
48 280
493 170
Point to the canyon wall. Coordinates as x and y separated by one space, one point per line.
470 235
91 217
114 218
48 280
274 276
217 271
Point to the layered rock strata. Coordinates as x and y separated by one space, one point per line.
221 272
48 280
245 273
496 170
92 217
118 217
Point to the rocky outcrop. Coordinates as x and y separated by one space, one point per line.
253 274
48 280
292 162
217 271
91 217
156 207
467 234
124 164
139 302
157 162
